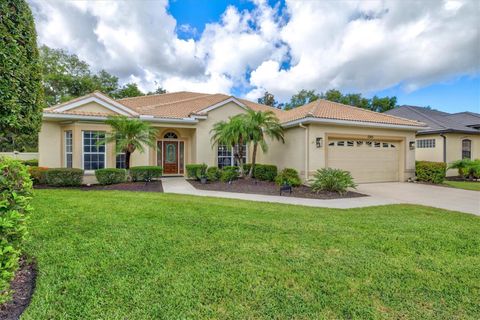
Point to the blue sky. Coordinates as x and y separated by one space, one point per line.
425 53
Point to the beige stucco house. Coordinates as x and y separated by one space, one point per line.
372 146
448 136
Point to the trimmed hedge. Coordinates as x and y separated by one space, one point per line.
428 171
15 192
229 173
192 170
31 162
111 175
288 176
145 173
214 174
37 174
64 177
265 172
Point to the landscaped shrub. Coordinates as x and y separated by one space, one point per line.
265 172
229 173
37 174
201 171
467 168
246 168
15 192
334 180
288 176
31 162
111 175
64 177
192 170
428 171
214 174
145 173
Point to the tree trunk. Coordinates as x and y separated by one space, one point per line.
254 160
240 158
127 159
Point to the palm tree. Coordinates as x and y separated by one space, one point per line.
233 133
262 124
129 135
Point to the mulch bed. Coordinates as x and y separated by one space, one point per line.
154 186
270 188
22 286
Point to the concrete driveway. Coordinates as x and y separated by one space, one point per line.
434 196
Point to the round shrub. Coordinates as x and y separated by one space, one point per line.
433 172
111 175
192 170
213 174
201 172
37 174
265 172
64 177
288 176
333 180
145 173
229 173
15 192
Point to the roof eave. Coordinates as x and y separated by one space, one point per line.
307 120
63 116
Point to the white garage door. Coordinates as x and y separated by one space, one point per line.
367 161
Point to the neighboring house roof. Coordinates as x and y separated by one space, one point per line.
438 121
192 105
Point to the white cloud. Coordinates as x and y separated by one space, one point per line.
364 46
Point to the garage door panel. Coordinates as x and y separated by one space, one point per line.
375 161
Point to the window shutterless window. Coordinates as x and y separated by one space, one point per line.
227 158
426 143
120 161
68 149
466 149
94 152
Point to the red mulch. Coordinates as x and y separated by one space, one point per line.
271 189
154 186
22 286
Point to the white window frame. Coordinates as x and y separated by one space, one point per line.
125 161
66 152
425 143
232 157
83 151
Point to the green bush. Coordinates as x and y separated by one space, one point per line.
333 180
265 172
15 192
64 177
214 174
192 170
201 171
246 168
433 172
145 173
229 173
288 176
111 175
38 174
467 168
31 162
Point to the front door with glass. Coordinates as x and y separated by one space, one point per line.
170 157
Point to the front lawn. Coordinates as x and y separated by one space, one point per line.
125 255
467 185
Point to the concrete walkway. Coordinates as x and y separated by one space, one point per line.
181 186
379 194
435 196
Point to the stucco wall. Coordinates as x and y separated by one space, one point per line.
454 148
430 154
50 145
93 107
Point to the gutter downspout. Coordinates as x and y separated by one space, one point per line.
301 125
444 147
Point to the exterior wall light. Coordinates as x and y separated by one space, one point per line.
412 145
319 142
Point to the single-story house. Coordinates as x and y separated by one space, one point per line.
449 136
373 146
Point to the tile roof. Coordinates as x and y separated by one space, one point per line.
178 105
438 121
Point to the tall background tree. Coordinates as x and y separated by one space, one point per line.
21 94
301 98
268 99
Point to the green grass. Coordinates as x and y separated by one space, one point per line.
126 255
467 185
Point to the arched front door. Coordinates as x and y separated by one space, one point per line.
170 154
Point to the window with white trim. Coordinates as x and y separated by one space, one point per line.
426 143
94 152
68 149
227 158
